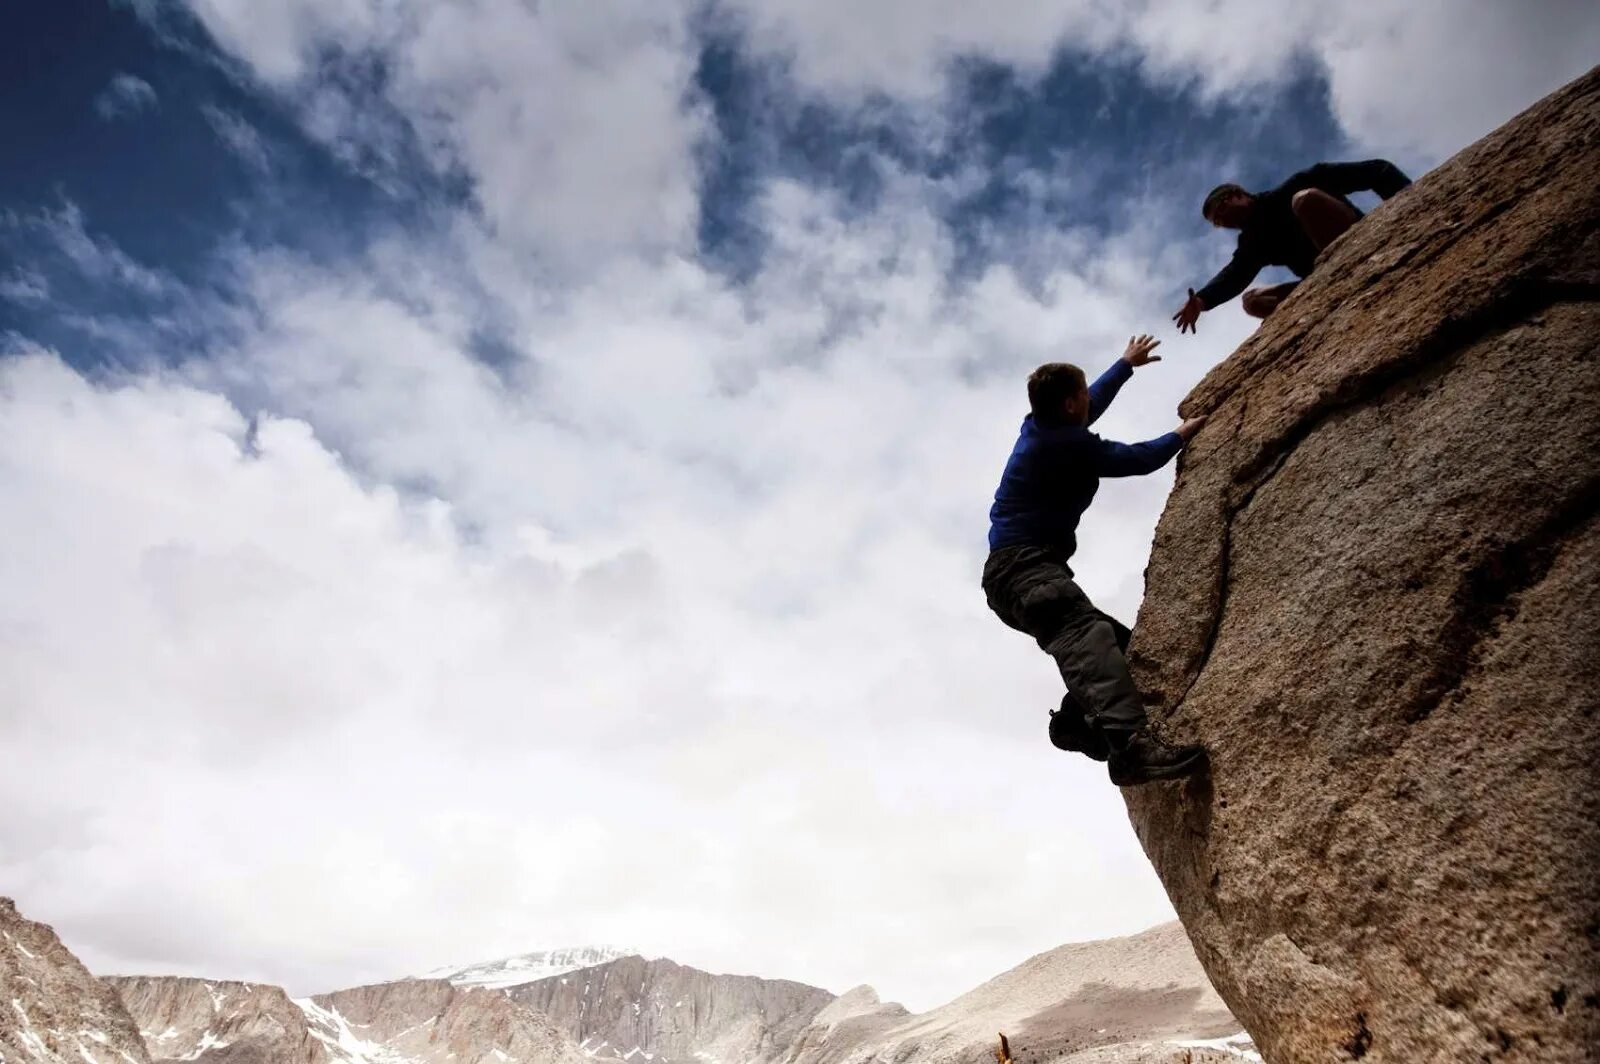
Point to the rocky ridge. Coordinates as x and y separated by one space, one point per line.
1375 597
52 1011
417 1021
1127 999
219 1021
1137 1000
675 1012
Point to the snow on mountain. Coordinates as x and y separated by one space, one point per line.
528 967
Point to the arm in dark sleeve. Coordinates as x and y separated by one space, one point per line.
1105 389
1134 459
1376 175
1231 279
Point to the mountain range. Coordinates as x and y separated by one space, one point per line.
1142 999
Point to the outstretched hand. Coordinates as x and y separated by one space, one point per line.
1189 313
1138 352
1190 426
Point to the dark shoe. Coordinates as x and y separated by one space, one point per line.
1070 730
1139 757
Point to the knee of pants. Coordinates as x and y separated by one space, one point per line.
1092 641
1053 611
1258 303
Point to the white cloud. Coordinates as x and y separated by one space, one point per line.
1407 77
579 124
1434 76
334 653
24 286
64 231
902 47
713 649
125 95
576 122
239 136
280 40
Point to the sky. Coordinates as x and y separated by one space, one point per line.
492 475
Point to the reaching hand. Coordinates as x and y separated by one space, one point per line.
1190 426
1138 352
1189 313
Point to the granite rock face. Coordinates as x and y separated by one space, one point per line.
674 1012
218 1021
1373 596
414 1021
429 1021
52 1011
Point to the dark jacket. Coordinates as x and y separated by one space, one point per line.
1055 470
1273 235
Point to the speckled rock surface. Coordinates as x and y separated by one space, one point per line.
1373 596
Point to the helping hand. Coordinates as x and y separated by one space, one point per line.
1189 313
1138 352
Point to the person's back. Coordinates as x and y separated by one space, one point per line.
1273 234
1049 481
1285 226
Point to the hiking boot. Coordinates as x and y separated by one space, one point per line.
1071 730
1139 757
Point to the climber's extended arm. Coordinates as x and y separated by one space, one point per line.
1109 383
1232 279
1112 459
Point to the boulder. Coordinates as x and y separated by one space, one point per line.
1373 596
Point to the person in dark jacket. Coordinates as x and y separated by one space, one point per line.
1049 481
1287 226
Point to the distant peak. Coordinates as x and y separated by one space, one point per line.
530 967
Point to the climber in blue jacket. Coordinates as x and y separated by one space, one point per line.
1287 226
1049 481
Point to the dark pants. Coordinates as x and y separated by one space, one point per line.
1032 590
1261 302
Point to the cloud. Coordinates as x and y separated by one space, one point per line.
659 632
125 96
25 286
576 124
239 136
63 234
1433 77
579 127
336 651
1402 76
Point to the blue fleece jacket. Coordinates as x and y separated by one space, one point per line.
1055 470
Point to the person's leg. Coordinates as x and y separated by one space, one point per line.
1261 302
1057 613
1070 730
1123 633
1086 651
1033 591
1323 217
1001 573
1070 727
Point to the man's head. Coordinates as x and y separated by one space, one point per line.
1058 394
1227 206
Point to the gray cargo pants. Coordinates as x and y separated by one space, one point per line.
1032 590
